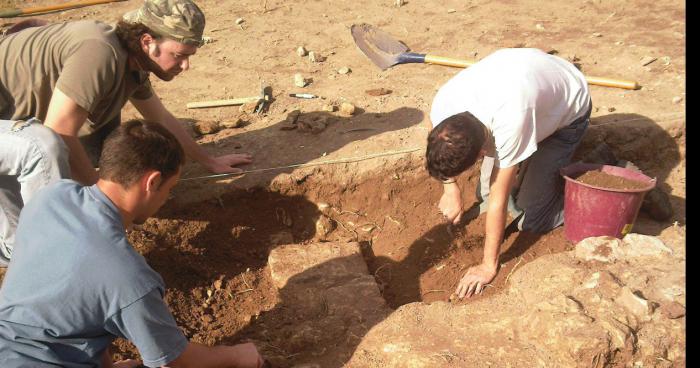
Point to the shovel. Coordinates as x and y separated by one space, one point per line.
385 52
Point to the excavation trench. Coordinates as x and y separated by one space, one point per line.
213 254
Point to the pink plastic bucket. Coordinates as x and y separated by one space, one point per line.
595 211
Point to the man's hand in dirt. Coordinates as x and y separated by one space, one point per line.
451 203
129 363
247 356
475 280
226 164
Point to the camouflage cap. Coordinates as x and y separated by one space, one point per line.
180 20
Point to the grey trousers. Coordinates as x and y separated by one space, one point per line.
537 199
32 156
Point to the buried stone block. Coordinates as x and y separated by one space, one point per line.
609 249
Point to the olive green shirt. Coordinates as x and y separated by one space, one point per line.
83 59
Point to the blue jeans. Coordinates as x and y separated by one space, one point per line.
538 196
32 156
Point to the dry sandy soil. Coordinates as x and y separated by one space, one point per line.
212 240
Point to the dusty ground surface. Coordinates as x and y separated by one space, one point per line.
212 241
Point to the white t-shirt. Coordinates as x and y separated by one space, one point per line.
521 95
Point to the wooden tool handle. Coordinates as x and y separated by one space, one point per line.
598 81
43 9
609 82
439 60
215 103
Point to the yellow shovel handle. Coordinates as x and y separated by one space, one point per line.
598 81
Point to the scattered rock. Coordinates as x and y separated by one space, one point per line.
601 248
450 11
328 107
344 70
218 284
324 226
539 27
240 21
399 3
595 35
206 127
648 60
378 91
299 80
316 58
206 40
666 60
301 51
677 100
313 124
611 109
207 319
238 122
636 304
347 108
672 310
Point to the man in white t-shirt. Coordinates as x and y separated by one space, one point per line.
525 111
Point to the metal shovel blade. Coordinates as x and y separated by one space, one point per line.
383 50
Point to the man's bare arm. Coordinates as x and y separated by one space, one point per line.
152 109
478 276
65 117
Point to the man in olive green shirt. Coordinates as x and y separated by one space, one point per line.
61 82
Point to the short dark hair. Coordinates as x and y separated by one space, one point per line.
454 145
129 35
136 147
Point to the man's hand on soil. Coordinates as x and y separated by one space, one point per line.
247 356
129 363
225 164
451 203
475 280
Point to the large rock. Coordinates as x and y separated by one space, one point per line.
556 311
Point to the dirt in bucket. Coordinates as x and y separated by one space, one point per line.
605 180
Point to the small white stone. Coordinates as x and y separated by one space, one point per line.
299 80
677 99
239 21
595 35
315 58
301 51
539 27
451 11
347 108
399 3
344 70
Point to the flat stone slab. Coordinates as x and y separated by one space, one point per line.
332 261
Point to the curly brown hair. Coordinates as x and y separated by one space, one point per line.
129 35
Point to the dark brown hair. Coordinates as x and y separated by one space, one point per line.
129 35
136 147
454 145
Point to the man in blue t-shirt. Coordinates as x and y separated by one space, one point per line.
75 282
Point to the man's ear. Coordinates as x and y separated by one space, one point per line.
148 43
153 181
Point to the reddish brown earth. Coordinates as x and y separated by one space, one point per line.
604 180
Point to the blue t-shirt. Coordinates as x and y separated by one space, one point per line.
75 283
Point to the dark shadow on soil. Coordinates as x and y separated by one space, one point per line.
273 146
